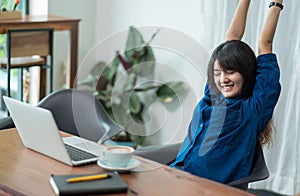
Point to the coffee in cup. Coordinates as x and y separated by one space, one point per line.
117 156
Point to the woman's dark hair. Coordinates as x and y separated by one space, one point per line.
237 56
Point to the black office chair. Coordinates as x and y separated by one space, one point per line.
166 154
258 172
79 113
6 123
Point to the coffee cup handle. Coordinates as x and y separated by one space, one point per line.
103 154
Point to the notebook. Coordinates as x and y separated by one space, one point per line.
38 131
114 184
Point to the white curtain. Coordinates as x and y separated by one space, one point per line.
283 156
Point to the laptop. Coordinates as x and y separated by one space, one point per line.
38 131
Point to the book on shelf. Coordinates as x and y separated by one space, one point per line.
111 184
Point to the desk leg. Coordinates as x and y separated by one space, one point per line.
43 83
72 69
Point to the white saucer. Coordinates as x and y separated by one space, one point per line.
134 163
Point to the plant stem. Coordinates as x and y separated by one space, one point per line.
146 89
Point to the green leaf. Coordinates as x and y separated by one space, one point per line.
113 69
134 43
144 66
97 70
94 77
139 54
170 90
110 71
137 118
135 105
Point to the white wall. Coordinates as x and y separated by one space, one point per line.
180 55
77 9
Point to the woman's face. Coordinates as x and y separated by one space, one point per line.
228 82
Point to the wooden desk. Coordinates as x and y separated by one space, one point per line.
29 172
59 24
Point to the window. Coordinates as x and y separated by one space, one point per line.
9 5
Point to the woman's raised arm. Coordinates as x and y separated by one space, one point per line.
268 32
238 24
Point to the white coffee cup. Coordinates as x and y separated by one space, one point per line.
117 156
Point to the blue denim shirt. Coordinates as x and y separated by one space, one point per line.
223 132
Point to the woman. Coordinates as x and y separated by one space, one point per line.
237 106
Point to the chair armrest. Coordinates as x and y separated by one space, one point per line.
163 154
6 123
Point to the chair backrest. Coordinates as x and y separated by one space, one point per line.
78 112
29 42
258 172
6 123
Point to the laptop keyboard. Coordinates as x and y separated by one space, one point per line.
77 154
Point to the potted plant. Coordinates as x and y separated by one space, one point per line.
126 88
